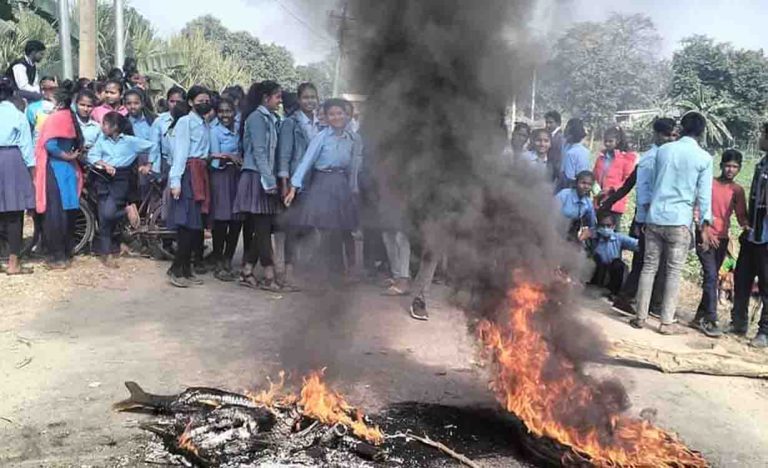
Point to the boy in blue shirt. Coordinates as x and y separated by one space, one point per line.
607 246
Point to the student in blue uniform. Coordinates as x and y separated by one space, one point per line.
139 115
296 131
577 207
114 156
575 154
328 175
17 193
225 172
160 157
257 198
188 184
85 101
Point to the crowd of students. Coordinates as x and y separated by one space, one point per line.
272 161
679 207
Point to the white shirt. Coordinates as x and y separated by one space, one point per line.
20 75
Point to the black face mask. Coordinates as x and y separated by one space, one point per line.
203 109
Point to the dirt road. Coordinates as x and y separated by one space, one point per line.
67 349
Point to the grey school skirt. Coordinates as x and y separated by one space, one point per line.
252 198
16 190
184 212
223 193
327 203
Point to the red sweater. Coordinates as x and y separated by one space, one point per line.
727 198
618 172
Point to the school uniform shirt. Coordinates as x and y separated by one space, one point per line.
575 160
141 127
329 152
90 129
682 178
99 112
295 134
118 152
727 198
14 131
161 141
644 183
574 207
191 140
36 113
607 246
260 146
223 141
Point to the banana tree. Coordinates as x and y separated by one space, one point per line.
712 107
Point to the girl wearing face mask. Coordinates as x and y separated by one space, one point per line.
295 134
224 166
607 246
112 101
188 185
257 192
613 167
328 172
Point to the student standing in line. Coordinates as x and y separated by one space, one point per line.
140 116
38 111
59 180
613 167
257 198
753 255
188 185
327 175
682 178
17 193
85 101
160 157
114 155
538 155
518 141
727 197
296 131
642 177
112 101
225 172
552 122
575 154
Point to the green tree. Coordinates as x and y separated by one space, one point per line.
721 72
202 63
712 107
600 68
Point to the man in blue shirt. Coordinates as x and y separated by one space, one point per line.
753 255
682 177
607 246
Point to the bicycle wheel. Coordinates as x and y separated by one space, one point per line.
85 228
160 240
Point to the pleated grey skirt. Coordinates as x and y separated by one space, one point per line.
184 212
327 203
252 198
224 184
16 190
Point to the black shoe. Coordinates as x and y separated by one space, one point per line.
760 341
732 329
179 281
194 280
623 307
419 309
710 328
637 323
200 268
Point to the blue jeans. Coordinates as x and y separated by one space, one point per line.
672 242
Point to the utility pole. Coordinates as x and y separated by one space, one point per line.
119 34
342 31
65 40
87 38
533 97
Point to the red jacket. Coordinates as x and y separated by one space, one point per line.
618 172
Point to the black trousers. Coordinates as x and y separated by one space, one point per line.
12 224
58 223
225 234
247 236
333 246
260 248
752 262
373 249
610 275
185 242
112 195
294 236
711 261
629 291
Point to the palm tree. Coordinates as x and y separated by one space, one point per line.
712 107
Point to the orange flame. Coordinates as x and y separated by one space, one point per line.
185 440
319 402
524 364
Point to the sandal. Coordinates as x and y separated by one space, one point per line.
225 275
249 281
22 271
270 285
394 291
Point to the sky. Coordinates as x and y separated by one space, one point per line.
304 28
